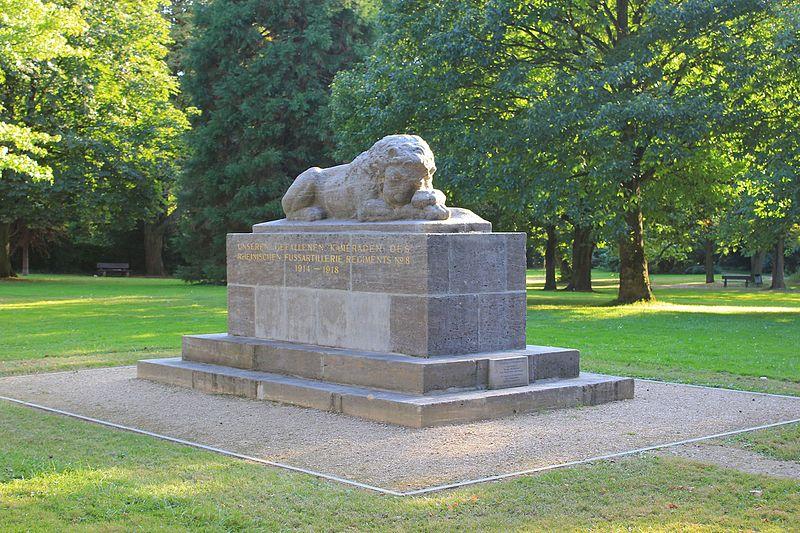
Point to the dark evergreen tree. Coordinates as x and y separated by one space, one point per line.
260 73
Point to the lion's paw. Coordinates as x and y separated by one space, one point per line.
309 214
436 212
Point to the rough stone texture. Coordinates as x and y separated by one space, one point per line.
398 457
453 325
241 310
475 266
170 375
393 180
460 221
416 294
403 408
221 349
413 375
376 372
224 383
516 261
249 262
287 391
501 322
270 313
548 362
408 325
293 361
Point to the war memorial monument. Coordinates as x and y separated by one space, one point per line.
374 299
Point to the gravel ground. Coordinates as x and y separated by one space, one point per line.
395 457
733 457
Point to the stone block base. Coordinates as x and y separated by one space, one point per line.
402 373
390 388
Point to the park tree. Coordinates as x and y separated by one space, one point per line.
681 219
99 92
32 34
598 98
765 89
143 127
260 74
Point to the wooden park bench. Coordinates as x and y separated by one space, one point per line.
123 269
747 278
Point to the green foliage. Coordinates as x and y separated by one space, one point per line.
89 80
126 152
593 111
765 91
32 34
260 74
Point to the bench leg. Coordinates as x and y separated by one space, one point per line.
725 283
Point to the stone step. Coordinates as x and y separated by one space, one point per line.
385 406
403 373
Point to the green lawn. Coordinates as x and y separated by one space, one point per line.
59 322
729 337
60 474
782 443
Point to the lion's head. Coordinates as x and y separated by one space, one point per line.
396 167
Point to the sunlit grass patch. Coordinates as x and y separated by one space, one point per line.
77 317
697 336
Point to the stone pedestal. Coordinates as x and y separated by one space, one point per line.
411 323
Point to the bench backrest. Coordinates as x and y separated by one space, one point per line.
125 266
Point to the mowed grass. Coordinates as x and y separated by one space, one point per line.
58 474
58 322
726 337
731 337
780 443
61 474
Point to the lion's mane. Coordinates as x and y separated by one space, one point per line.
368 168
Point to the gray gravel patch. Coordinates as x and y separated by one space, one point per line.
395 457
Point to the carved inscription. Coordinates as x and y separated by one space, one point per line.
508 372
325 257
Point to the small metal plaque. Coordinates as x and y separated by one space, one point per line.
508 372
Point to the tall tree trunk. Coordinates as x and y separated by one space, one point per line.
26 264
709 245
550 259
25 247
582 247
153 249
564 269
634 277
757 263
778 280
5 250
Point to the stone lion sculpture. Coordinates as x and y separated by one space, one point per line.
393 180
